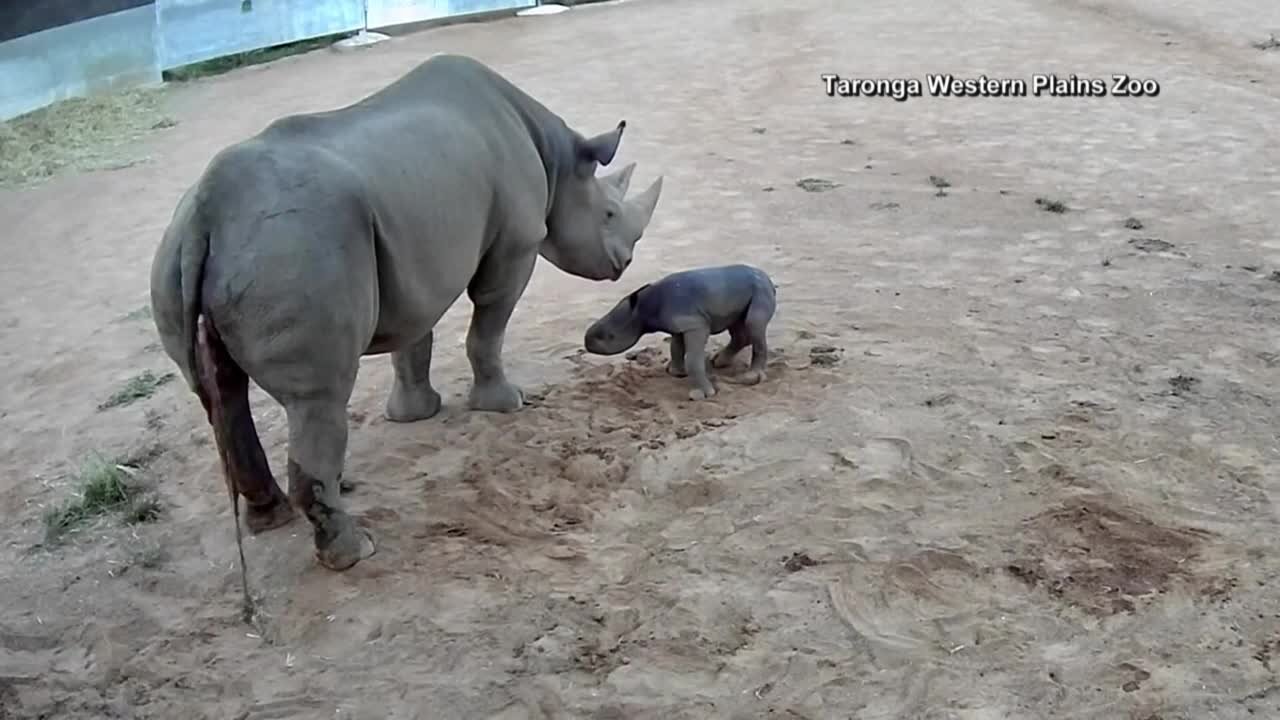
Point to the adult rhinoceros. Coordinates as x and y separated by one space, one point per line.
334 235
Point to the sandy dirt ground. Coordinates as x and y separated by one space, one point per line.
1009 462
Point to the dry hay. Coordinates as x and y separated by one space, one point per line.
79 134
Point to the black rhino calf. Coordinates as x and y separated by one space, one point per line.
334 235
692 306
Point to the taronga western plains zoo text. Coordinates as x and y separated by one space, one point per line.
947 85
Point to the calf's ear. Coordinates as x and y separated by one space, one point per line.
634 298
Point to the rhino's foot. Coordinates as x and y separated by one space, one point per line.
702 393
407 404
277 513
496 397
676 370
347 548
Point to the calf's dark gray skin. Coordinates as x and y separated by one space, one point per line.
692 306
334 235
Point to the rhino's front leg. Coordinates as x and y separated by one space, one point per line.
412 397
494 291
697 364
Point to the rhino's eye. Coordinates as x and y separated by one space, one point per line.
608 214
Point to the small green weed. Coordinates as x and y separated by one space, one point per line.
103 486
139 387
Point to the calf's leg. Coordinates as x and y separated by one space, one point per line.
675 368
757 322
695 363
739 338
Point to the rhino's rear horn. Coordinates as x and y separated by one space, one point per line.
604 146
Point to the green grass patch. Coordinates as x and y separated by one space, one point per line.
103 486
227 63
139 387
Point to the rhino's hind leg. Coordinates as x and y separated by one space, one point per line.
412 396
317 449
225 383
739 338
675 368
494 291
757 324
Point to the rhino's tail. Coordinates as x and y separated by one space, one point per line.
192 341
177 280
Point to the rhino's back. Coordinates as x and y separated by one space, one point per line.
720 293
431 150
412 173
447 103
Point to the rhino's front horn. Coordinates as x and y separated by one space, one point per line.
645 202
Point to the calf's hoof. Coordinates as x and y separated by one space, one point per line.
347 549
702 394
496 397
404 405
277 513
751 377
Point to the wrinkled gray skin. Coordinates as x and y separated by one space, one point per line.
334 235
692 306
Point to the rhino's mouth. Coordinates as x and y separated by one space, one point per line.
619 270
599 342
618 267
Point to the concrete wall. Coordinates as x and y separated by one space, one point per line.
100 53
191 31
51 51
385 13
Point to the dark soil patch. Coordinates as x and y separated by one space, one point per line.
1053 206
798 561
811 184
1271 43
1183 384
1102 558
824 355
1150 244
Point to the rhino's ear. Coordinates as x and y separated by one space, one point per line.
601 148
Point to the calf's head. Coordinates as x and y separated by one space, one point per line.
617 331
592 227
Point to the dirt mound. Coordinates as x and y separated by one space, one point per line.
1103 558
